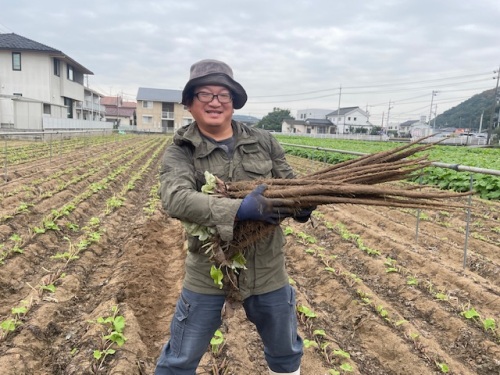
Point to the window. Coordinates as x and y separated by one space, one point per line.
46 109
147 119
16 60
354 118
71 76
69 105
348 119
147 104
57 67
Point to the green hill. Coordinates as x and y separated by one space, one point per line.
468 113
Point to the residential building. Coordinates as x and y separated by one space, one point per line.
414 128
309 126
160 110
403 129
40 85
350 120
91 107
304 114
119 112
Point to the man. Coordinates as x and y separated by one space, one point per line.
232 152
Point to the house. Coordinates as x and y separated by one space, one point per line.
415 128
350 120
403 129
309 126
160 110
118 112
40 85
91 108
303 114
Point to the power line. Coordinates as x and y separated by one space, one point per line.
373 86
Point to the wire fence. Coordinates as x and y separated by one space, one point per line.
455 167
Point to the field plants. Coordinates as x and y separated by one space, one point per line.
138 264
112 338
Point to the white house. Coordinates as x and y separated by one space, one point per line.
350 120
415 128
309 126
39 83
316 113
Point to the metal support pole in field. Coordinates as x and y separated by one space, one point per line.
50 146
5 161
467 231
418 210
60 145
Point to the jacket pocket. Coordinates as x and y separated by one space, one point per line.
257 168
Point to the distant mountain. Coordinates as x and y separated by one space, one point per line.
468 113
249 120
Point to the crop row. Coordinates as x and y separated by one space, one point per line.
79 238
384 271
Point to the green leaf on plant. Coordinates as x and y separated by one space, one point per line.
217 276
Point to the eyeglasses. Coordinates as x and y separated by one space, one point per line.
207 97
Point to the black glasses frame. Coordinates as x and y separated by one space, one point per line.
213 97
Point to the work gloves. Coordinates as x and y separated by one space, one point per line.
259 208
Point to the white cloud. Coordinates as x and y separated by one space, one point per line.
279 48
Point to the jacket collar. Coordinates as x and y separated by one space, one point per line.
202 147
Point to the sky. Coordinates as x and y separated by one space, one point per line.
391 58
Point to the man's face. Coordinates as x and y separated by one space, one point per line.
214 113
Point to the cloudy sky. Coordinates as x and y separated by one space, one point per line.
385 56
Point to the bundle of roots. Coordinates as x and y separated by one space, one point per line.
358 181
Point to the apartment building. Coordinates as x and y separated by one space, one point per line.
160 110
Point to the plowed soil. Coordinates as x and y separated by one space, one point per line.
385 300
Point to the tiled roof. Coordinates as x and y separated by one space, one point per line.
318 122
16 42
408 123
120 112
342 111
159 95
20 43
129 104
110 100
294 122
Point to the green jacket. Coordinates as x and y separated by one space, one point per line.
257 154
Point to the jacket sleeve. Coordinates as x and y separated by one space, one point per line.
181 200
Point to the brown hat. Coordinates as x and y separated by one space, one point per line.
214 72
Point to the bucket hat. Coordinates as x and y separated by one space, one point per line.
214 72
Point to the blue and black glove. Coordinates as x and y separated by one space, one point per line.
259 208
304 214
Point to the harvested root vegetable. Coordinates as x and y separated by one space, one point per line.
358 181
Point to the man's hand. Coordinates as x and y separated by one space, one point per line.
259 208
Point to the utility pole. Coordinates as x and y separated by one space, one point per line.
435 115
490 127
338 111
388 115
430 111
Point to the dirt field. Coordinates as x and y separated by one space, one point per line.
384 303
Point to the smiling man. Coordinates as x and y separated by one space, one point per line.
233 152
